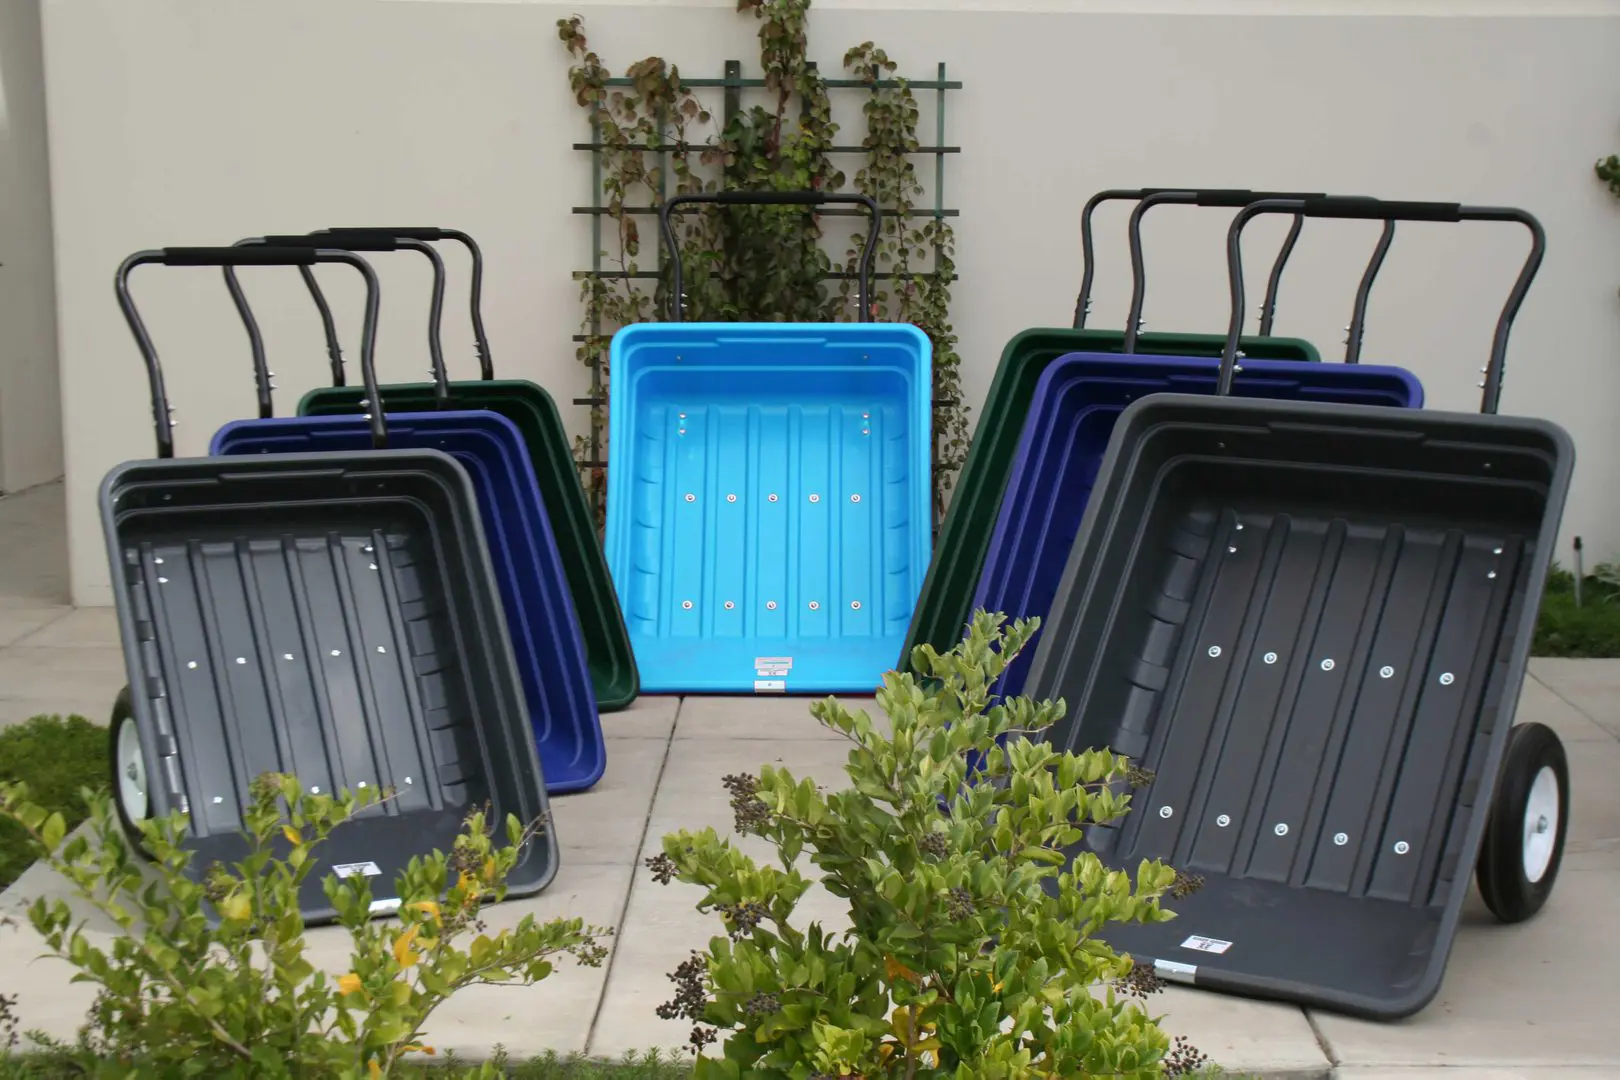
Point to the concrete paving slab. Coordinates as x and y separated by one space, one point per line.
1592 686
648 717
76 628
606 823
760 717
44 674
1540 704
1479 1073
32 527
1245 1037
1536 995
16 623
1594 806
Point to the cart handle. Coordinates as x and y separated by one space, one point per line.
1368 209
777 198
261 369
1268 309
429 233
1234 198
255 255
363 242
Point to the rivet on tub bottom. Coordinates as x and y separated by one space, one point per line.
1214 651
1447 678
1327 665
729 605
815 605
854 605
1165 811
1223 821
1386 672
1281 828
1270 658
686 605
241 659
1402 847
191 665
1340 839
770 605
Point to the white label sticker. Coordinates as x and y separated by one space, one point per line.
773 661
350 869
770 686
1206 944
773 672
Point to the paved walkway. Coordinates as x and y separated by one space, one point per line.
1535 1000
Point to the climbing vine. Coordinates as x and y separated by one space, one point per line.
759 263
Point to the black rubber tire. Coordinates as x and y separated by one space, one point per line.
1499 871
123 712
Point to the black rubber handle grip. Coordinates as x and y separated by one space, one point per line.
348 240
410 232
1234 198
254 255
1362 208
757 198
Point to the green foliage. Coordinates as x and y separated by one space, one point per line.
649 1066
56 757
971 951
1590 630
761 263
1608 171
181 997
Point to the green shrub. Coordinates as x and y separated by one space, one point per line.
179 997
960 961
1590 630
56 758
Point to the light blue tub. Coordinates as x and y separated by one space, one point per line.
768 515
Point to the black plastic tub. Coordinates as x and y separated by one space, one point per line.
260 638
333 616
1311 623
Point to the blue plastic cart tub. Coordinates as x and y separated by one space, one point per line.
1077 401
540 616
768 523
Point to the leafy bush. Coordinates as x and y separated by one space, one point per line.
179 997
971 952
56 757
1590 630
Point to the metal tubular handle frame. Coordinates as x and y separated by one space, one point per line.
1360 208
771 198
347 242
162 413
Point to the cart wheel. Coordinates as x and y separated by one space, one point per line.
128 771
1524 835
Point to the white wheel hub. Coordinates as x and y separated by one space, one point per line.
1540 824
131 772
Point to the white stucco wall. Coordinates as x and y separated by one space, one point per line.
202 121
30 401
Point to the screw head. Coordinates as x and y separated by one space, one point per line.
1270 658
729 605
854 605
771 497
241 659
691 497
1386 672
770 605
1340 839
1214 651
686 605
815 605
815 498
1281 828
731 498
1447 678
854 498
1231 550
1327 664
1165 812
1402 847
1223 821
